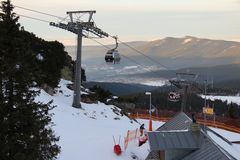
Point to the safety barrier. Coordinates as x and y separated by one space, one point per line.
131 135
210 123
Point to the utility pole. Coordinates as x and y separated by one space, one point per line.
150 109
184 98
82 28
77 78
205 93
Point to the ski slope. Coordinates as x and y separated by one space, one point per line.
87 133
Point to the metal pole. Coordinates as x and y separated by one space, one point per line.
205 90
150 106
214 119
77 79
184 99
205 121
205 102
77 27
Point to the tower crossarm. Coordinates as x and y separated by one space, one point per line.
87 25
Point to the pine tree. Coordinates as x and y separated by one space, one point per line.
25 126
50 59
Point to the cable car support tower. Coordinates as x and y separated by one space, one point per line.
186 82
81 24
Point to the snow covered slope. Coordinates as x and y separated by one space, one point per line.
86 134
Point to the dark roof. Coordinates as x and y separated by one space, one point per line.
177 134
208 151
180 122
161 140
153 155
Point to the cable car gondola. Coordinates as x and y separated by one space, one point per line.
173 96
112 56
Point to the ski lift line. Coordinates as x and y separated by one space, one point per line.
144 67
121 54
92 38
97 42
33 18
114 37
47 14
153 60
62 19
144 55
100 43
38 19
140 65
44 13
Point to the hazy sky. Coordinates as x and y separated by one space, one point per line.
140 20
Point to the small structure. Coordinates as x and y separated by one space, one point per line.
181 139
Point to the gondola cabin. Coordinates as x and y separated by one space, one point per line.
173 96
112 56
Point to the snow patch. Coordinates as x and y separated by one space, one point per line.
115 97
230 136
39 57
231 149
130 67
232 46
187 40
229 99
154 83
17 66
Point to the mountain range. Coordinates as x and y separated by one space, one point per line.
174 49
174 53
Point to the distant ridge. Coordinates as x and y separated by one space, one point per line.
189 46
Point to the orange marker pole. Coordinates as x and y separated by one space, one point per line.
150 125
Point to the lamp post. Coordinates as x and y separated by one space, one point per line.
150 109
150 103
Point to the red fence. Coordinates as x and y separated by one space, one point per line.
217 124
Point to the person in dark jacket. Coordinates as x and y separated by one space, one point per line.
193 118
141 129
